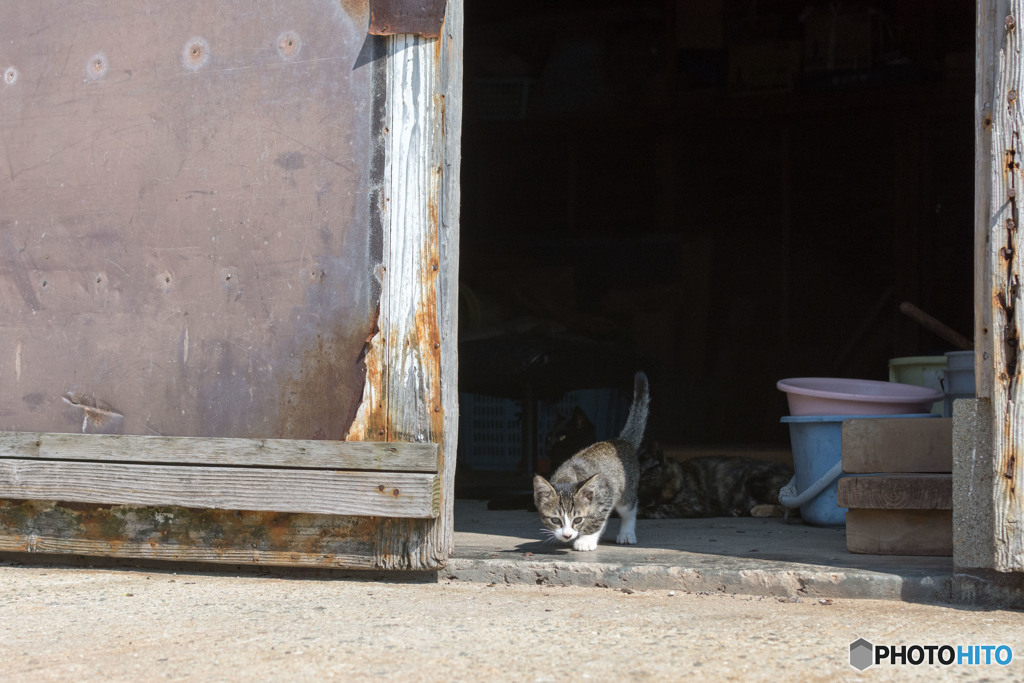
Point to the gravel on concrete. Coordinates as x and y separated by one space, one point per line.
92 624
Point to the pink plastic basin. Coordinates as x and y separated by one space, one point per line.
835 396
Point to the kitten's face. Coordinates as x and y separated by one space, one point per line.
564 525
563 512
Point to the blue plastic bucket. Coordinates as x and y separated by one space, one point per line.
817 442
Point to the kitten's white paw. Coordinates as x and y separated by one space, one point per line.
628 538
585 543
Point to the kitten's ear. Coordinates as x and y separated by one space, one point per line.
587 489
542 490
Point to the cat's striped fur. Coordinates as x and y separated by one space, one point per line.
575 505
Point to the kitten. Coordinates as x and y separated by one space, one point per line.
574 506
710 486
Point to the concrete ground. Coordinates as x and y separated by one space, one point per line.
763 556
723 599
141 625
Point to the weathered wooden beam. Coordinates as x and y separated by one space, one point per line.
412 362
448 107
999 191
988 44
328 492
293 453
187 535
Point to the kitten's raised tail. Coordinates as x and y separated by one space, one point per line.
636 422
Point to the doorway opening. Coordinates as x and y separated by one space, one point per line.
723 194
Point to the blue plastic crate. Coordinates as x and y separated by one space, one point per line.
490 432
491 428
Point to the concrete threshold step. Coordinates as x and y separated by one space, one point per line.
755 556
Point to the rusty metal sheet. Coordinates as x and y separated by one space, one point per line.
186 225
420 17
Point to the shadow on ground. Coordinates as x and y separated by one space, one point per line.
770 556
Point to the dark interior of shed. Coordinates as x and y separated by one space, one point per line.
724 193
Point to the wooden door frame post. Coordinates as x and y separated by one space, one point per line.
412 363
988 467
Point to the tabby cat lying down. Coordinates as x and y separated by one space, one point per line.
711 486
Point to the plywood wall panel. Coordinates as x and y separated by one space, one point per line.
185 239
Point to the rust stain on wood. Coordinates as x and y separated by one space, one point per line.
427 327
405 544
1010 165
220 531
1007 370
370 420
384 490
1007 289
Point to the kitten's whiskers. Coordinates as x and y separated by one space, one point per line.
552 536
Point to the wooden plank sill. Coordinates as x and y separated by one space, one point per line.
274 475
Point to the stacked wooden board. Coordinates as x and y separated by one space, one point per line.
903 502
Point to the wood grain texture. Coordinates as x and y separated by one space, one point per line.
897 492
295 453
988 44
450 57
999 191
900 532
328 492
358 558
897 445
419 297
187 535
